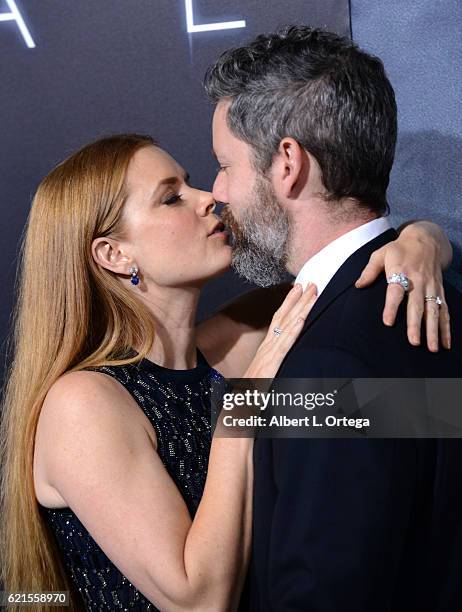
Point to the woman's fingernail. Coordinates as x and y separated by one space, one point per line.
297 287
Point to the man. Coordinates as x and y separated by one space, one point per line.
304 131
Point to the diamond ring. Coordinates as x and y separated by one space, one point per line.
277 331
434 298
399 279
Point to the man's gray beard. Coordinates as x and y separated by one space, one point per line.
261 237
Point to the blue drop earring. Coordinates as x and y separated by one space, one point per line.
135 279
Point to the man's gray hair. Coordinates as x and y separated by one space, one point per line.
320 89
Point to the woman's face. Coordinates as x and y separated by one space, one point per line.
170 231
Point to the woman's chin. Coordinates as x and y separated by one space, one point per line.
220 270
210 275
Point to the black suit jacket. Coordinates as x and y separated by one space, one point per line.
366 525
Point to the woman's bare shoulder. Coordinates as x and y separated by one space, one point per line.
90 400
83 396
81 388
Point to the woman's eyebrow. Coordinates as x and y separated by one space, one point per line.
170 180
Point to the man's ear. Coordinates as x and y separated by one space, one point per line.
108 253
291 168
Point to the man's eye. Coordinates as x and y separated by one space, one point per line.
173 199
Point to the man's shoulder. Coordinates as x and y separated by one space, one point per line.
350 339
359 313
454 300
362 317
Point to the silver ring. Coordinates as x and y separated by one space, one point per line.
434 298
400 279
277 331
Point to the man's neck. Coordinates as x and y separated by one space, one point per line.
314 232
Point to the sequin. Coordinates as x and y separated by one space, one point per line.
177 403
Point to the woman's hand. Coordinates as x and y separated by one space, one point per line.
284 329
421 252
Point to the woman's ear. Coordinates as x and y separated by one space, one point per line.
291 168
108 253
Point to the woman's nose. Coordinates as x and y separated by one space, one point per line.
207 204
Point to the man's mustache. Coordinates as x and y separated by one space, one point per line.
227 217
231 223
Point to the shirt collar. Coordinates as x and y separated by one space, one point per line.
320 268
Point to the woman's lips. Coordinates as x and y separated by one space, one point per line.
219 234
218 230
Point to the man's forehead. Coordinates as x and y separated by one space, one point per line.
224 141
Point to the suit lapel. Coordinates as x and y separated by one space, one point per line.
347 275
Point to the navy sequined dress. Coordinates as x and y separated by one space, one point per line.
177 403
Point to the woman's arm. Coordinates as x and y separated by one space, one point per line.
429 232
230 338
421 252
101 458
103 463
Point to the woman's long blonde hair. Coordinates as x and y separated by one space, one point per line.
70 314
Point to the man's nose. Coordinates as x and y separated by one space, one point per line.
219 191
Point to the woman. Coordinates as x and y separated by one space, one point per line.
118 247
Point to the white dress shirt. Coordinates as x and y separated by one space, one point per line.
323 265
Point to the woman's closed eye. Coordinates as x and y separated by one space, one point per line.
173 199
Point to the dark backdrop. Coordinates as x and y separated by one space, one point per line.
105 66
420 43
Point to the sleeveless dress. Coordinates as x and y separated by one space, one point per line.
177 403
